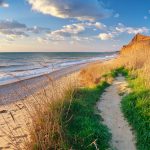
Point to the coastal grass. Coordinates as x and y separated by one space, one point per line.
98 72
136 105
68 119
136 108
46 130
41 120
85 130
78 126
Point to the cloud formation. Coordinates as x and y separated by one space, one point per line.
12 29
119 29
78 9
4 4
105 36
75 31
131 30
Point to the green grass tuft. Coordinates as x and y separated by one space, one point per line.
85 129
136 108
121 70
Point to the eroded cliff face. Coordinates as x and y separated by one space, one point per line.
138 43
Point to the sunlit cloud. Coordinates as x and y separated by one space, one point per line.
131 30
120 29
105 36
78 9
76 31
4 4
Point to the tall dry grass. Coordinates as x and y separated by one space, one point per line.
37 123
46 128
94 73
139 63
136 61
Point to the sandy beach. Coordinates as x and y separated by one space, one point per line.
11 107
19 90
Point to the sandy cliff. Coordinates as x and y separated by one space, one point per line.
139 42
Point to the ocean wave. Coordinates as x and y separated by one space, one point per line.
15 70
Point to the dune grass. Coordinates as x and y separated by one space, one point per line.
41 116
85 130
69 119
46 130
136 108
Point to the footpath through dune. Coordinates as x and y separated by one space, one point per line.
109 107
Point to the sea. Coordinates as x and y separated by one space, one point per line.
28 65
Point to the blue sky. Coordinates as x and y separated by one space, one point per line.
71 25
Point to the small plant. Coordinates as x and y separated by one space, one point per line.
119 71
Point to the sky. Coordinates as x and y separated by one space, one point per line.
71 25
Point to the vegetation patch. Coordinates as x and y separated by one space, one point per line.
84 128
136 108
120 70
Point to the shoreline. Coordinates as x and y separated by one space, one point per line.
21 89
14 116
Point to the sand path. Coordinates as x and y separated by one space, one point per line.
109 106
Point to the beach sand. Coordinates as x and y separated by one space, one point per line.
21 89
14 119
13 125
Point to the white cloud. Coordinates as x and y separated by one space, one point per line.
97 25
67 31
79 9
131 30
105 36
75 31
4 4
113 32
